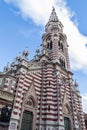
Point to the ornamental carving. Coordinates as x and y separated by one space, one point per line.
7 96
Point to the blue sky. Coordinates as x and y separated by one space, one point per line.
80 9
22 24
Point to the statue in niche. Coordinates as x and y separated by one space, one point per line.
5 114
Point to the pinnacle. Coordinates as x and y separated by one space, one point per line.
53 17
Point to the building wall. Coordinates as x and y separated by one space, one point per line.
45 86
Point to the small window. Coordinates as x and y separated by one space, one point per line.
49 83
30 102
49 108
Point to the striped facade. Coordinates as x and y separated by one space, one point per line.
45 86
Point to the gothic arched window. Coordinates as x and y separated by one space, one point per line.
60 45
49 45
62 62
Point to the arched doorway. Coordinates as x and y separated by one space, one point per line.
27 120
67 117
67 123
28 116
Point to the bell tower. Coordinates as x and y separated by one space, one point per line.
55 41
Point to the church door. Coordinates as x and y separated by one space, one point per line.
67 123
27 120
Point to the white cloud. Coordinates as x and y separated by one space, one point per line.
39 11
84 102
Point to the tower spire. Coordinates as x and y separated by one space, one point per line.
53 17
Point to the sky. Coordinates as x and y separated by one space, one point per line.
22 24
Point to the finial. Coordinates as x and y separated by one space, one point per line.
6 68
53 9
18 58
76 85
53 17
37 51
44 49
26 53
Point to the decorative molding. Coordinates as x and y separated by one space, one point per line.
6 96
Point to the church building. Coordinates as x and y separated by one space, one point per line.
42 92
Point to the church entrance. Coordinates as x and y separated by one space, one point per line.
27 120
67 123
